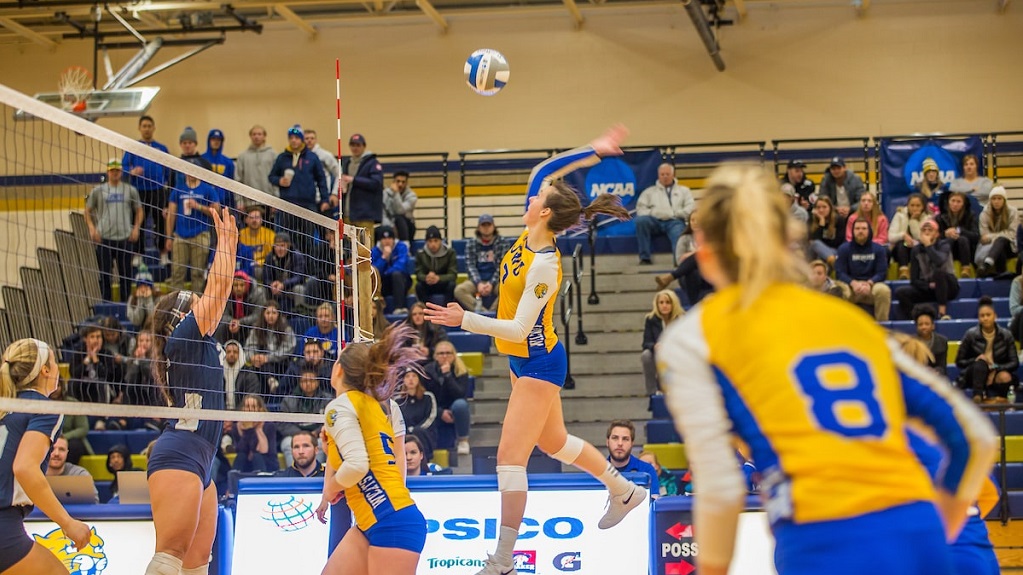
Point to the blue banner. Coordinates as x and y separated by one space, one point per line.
625 176
902 163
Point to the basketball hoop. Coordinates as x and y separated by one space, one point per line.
74 87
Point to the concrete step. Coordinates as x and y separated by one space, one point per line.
617 361
574 408
607 281
488 434
601 318
604 341
587 385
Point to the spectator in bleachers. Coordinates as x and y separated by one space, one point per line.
795 175
925 317
820 281
142 301
399 207
931 187
362 184
795 210
190 246
239 379
842 187
255 442
429 334
998 223
243 308
57 464
987 359
662 209
390 258
152 180
870 212
139 386
312 358
75 427
254 165
92 368
189 143
972 182
330 169
220 163
325 330
321 267
298 173
1016 308
284 273
621 434
419 408
958 225
666 309
118 459
862 265
904 232
448 379
308 398
116 343
668 482
304 450
258 237
483 255
436 269
826 231
416 462
932 277
113 214
687 272
270 345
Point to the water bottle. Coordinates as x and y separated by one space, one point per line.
479 304
1012 395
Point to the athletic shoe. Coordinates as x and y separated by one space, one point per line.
618 506
492 568
463 447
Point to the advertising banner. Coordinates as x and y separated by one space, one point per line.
676 552
902 164
116 547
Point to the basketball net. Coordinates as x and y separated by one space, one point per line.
74 87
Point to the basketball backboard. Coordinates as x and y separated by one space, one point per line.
103 104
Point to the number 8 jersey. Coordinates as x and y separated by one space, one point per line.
813 386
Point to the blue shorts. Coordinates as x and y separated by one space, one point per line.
974 560
551 366
15 544
183 451
907 540
403 529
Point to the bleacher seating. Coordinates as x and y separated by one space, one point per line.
102 441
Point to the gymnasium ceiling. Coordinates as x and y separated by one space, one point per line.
50 22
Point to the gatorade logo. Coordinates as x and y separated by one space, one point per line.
948 165
612 176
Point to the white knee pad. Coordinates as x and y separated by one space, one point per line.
201 570
511 478
164 564
570 451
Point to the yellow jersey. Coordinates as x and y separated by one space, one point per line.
261 241
357 427
529 285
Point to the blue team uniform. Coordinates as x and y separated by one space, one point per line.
195 378
15 544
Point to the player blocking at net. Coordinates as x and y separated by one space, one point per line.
524 330
188 370
29 371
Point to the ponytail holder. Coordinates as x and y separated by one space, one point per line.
42 355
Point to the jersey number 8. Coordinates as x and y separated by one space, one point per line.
848 408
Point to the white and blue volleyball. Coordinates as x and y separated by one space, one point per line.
486 71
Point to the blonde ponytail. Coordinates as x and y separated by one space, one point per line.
747 224
20 367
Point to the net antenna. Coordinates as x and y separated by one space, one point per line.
75 87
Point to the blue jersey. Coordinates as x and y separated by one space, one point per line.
195 377
191 222
154 176
12 429
637 465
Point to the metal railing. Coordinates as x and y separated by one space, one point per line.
566 323
428 176
577 277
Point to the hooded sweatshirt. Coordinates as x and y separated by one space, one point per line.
245 309
220 164
862 262
238 381
443 262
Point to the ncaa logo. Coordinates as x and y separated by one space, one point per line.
524 561
612 176
948 165
568 561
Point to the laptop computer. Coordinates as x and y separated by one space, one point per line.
132 487
73 489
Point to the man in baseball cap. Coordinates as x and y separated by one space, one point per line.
842 187
795 175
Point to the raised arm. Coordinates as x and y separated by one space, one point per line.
210 308
559 165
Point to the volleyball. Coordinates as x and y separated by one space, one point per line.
486 71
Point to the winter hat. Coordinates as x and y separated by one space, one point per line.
188 135
384 232
998 191
434 232
296 130
929 165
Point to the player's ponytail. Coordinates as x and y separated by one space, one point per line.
163 316
20 359
567 211
377 369
747 225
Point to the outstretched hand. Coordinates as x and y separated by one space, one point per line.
609 143
450 316
227 229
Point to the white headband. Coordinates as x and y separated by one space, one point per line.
42 355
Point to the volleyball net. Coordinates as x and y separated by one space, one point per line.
97 226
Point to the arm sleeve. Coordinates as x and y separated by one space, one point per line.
343 426
559 165
688 205
542 278
397 419
1015 295
965 432
472 258
697 404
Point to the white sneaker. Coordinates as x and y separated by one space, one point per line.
400 311
463 447
492 568
618 506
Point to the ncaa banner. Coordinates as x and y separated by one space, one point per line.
902 164
625 176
